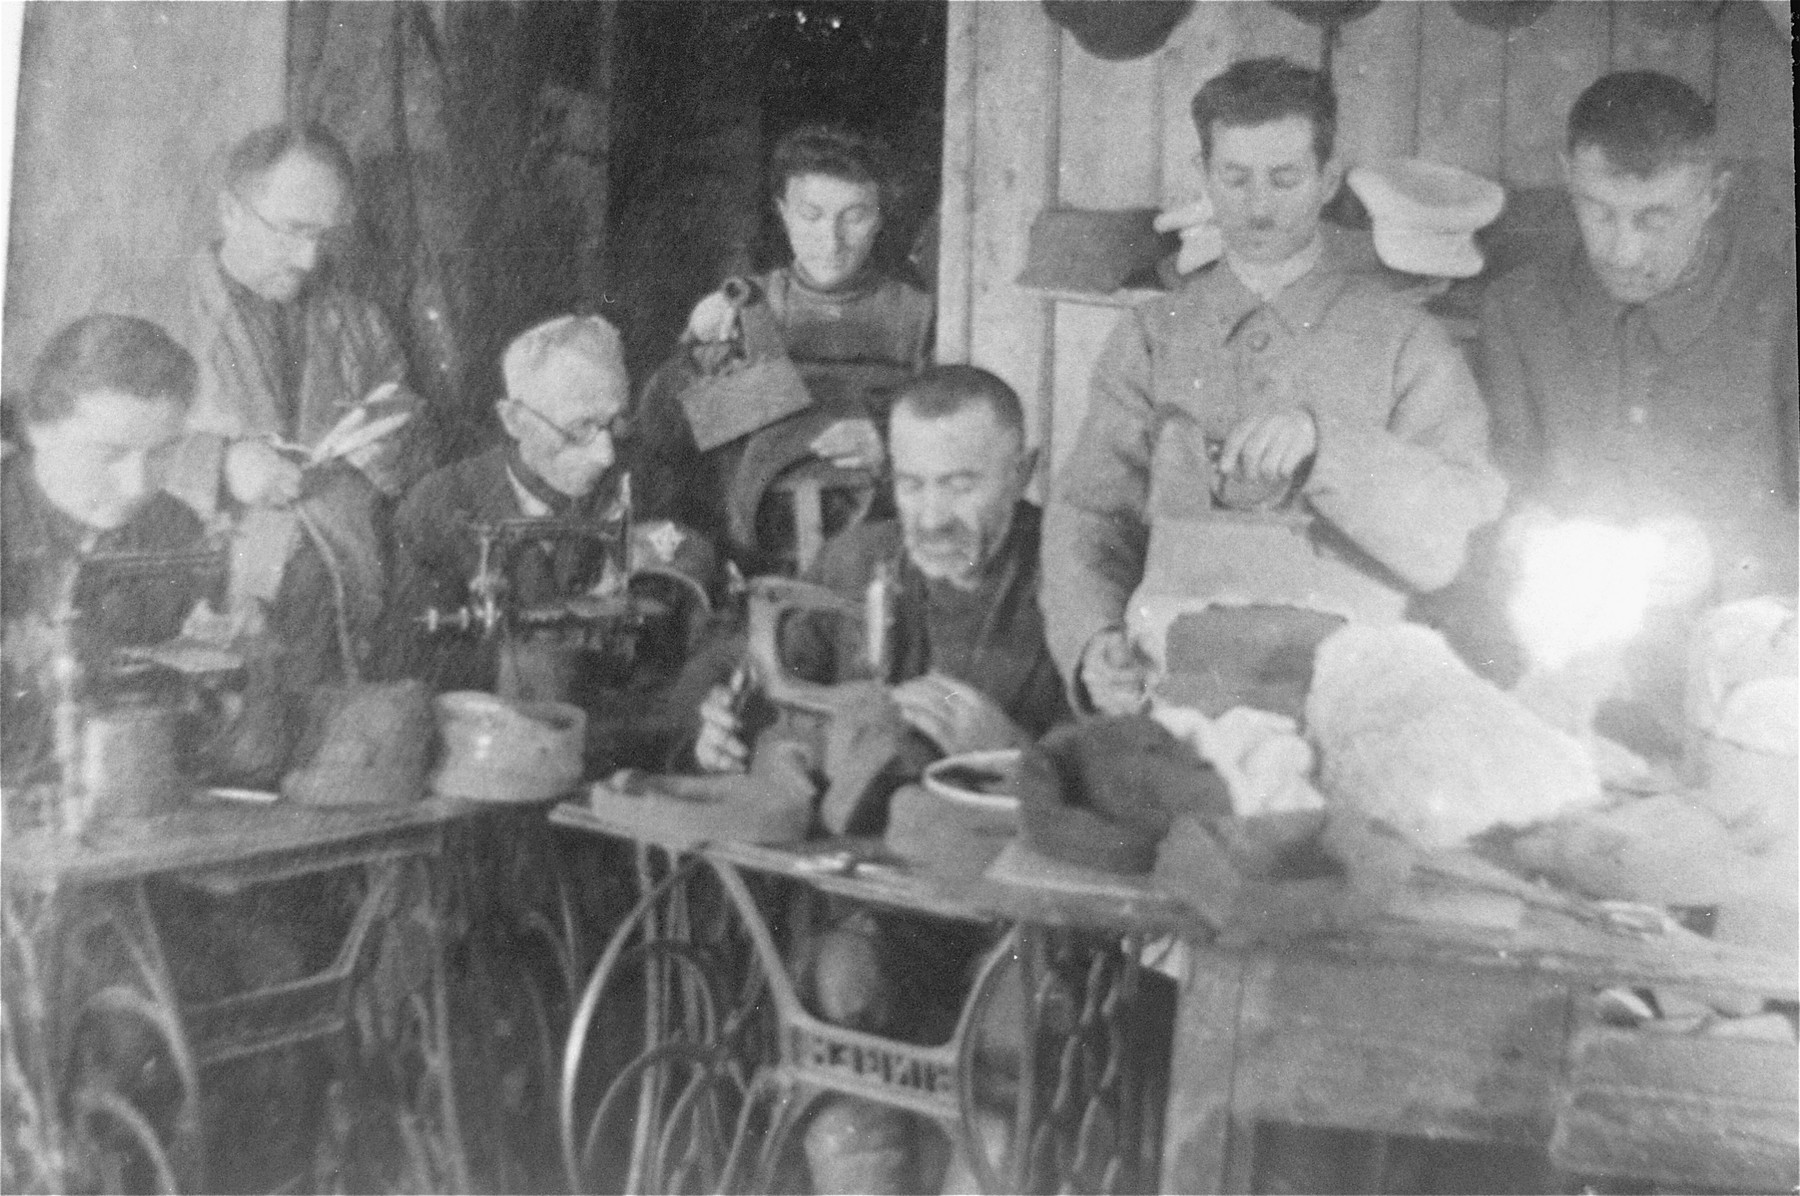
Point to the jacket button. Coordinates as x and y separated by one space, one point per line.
1259 341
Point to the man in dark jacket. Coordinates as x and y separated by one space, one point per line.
963 554
1644 377
969 669
1649 370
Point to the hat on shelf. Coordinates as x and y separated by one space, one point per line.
1425 214
1202 240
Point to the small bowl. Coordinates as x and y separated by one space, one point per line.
499 749
980 781
960 817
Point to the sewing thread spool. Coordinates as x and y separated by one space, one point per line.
128 762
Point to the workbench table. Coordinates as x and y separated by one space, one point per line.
1485 1034
1431 1027
78 908
1086 1104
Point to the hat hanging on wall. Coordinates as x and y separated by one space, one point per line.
1117 30
1329 17
1425 214
1501 14
1676 14
1327 14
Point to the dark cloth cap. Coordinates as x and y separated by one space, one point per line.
1327 14
1104 792
1117 30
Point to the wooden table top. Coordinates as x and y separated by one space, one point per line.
1024 886
206 833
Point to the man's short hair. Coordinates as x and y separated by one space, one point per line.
261 150
107 352
1643 121
835 152
944 390
1256 91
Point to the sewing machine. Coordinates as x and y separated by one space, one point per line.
611 614
111 709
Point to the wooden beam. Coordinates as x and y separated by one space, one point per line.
956 197
1376 72
1657 35
1264 30
1548 64
1014 167
1200 47
1109 136
1462 91
1755 92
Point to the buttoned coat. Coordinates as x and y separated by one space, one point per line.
1682 405
1399 479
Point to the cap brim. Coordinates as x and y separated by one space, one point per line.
1438 255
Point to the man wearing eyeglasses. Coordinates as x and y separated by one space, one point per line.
564 413
285 352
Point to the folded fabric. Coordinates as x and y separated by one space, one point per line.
1264 761
1261 880
1408 735
866 758
1103 793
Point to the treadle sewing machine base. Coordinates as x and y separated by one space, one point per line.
78 909
735 1062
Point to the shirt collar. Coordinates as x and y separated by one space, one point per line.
1302 303
530 505
1268 281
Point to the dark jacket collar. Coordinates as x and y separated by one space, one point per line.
1679 316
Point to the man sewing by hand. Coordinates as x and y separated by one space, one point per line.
968 661
967 668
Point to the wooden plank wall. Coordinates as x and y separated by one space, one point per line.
1032 120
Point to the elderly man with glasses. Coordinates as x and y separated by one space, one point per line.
565 414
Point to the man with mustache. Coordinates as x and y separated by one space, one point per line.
964 555
1279 379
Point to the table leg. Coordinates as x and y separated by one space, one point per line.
402 1017
95 1040
1203 1151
